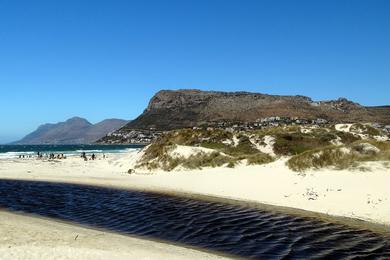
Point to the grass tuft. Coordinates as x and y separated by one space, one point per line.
340 157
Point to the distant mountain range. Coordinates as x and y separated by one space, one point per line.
174 109
171 109
75 130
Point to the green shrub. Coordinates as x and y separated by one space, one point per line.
293 143
365 129
347 138
310 150
327 137
277 130
296 143
215 146
319 158
199 160
244 147
259 158
231 164
333 156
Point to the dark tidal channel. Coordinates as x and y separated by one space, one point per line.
220 227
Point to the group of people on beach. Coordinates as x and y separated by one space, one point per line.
51 156
40 155
93 156
22 156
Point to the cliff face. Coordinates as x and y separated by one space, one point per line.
73 131
171 109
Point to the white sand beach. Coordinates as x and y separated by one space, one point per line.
362 195
25 237
356 194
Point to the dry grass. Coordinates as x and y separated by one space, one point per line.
365 129
157 154
297 142
291 141
336 157
200 160
319 158
259 158
277 130
195 161
313 149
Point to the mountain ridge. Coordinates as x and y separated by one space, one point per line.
75 130
172 109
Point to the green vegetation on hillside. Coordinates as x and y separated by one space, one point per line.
365 129
157 155
341 157
310 147
291 140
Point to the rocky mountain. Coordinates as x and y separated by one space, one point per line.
172 109
175 109
75 130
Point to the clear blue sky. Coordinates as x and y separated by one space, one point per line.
105 59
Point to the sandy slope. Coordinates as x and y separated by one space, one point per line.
356 194
24 237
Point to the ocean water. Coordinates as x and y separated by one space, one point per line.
13 151
236 230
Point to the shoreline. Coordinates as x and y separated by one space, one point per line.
355 223
339 196
35 237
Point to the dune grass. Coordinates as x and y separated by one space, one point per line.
341 157
259 158
157 155
292 141
200 160
365 129
310 149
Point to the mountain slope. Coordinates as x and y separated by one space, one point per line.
75 130
171 109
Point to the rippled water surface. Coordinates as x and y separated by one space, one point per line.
232 229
